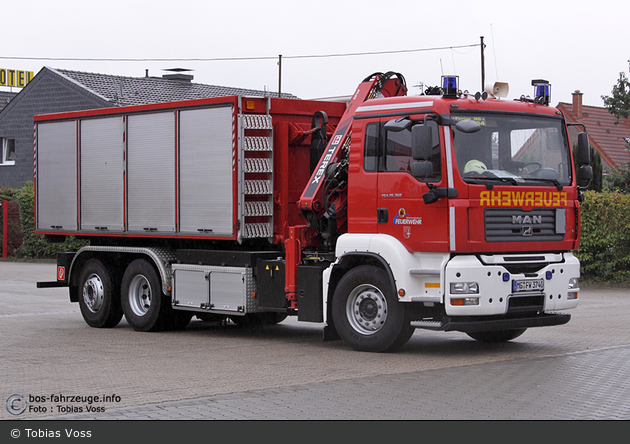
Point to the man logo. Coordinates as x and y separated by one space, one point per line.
527 219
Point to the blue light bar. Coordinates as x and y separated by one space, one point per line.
542 91
450 85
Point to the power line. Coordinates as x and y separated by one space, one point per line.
224 59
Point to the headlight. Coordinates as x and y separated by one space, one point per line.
574 283
464 288
464 301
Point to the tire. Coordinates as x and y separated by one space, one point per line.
366 311
180 319
496 336
99 297
145 307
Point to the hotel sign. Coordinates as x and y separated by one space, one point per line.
14 77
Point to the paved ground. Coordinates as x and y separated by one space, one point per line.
591 385
580 370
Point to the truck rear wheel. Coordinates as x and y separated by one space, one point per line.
366 311
496 336
145 307
99 299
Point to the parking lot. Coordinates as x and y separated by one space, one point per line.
580 370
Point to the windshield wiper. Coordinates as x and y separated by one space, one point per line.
484 179
555 182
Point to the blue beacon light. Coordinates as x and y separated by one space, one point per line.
450 85
542 91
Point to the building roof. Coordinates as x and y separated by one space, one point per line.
611 138
5 98
120 90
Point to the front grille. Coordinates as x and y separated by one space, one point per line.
529 303
515 225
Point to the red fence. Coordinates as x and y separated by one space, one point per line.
11 229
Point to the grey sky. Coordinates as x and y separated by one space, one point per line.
575 45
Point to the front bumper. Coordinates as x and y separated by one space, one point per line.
497 276
466 324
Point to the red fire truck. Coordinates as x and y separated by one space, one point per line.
376 216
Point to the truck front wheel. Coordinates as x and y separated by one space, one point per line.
99 299
366 311
146 308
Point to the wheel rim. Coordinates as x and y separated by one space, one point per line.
366 309
140 295
93 294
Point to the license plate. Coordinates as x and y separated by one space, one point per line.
528 285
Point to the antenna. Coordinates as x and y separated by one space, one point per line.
494 52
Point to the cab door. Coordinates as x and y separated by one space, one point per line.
401 211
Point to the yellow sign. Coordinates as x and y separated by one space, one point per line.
14 77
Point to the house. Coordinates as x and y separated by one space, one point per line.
56 90
5 98
609 138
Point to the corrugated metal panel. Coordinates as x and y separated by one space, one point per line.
206 180
102 174
151 172
56 176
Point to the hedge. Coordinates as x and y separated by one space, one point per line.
604 250
34 245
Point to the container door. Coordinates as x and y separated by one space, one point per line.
151 170
206 171
56 176
102 151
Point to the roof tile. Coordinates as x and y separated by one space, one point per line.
121 91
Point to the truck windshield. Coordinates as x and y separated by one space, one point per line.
512 150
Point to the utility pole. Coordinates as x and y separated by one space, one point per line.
483 67
280 75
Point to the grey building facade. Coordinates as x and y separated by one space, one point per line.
53 90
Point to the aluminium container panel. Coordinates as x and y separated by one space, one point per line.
56 176
151 165
191 289
228 290
102 166
206 177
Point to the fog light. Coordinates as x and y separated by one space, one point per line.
464 288
572 295
464 301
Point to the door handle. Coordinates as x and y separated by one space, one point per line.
382 215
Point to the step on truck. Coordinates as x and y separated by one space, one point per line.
375 216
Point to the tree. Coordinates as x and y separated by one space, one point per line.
618 180
618 103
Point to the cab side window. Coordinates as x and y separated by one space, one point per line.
372 147
393 153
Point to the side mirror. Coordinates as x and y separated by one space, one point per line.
467 126
422 169
583 150
397 125
421 142
585 175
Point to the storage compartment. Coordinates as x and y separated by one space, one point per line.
270 277
214 289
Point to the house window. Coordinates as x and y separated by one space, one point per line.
8 151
